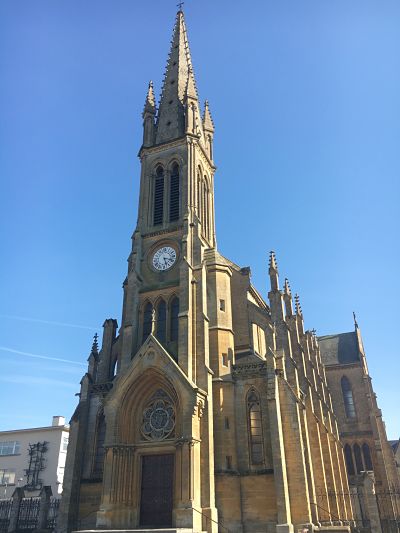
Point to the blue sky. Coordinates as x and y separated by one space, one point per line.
305 99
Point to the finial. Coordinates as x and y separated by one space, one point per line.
355 320
150 103
298 306
286 287
272 260
179 5
208 122
95 346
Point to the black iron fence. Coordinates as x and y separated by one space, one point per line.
23 514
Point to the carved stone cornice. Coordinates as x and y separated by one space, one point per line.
101 389
249 369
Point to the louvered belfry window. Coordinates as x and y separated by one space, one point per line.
174 194
147 320
100 452
158 197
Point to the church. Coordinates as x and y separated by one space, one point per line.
210 408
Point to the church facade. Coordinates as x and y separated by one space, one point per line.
208 409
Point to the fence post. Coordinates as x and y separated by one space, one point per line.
16 498
45 495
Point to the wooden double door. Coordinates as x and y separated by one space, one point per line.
157 490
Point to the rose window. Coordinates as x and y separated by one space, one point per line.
158 417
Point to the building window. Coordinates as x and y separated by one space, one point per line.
226 422
158 197
7 476
255 428
358 458
348 398
349 460
10 448
367 457
147 320
174 326
258 339
174 194
99 454
229 462
224 359
161 321
222 305
65 444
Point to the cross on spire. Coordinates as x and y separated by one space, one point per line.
179 5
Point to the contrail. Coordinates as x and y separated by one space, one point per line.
49 322
36 356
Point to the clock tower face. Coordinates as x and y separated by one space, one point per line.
164 258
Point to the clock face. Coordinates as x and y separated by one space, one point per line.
164 258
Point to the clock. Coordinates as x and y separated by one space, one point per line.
164 258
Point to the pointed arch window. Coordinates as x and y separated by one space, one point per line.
367 457
348 398
174 323
147 319
161 321
99 454
158 206
199 197
349 460
358 458
255 428
174 194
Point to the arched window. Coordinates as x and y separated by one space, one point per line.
255 428
147 318
99 454
174 327
199 197
358 458
158 197
348 398
367 457
174 194
161 321
349 460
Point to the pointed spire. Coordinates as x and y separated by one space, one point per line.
191 91
95 346
150 103
208 123
286 288
297 305
171 114
273 272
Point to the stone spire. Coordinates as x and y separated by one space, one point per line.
287 297
149 113
208 123
95 346
150 103
273 272
179 83
299 311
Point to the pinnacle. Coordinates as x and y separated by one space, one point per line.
286 288
95 346
150 103
208 122
272 261
297 305
191 91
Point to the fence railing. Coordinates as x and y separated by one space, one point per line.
29 514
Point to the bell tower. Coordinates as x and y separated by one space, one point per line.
176 221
